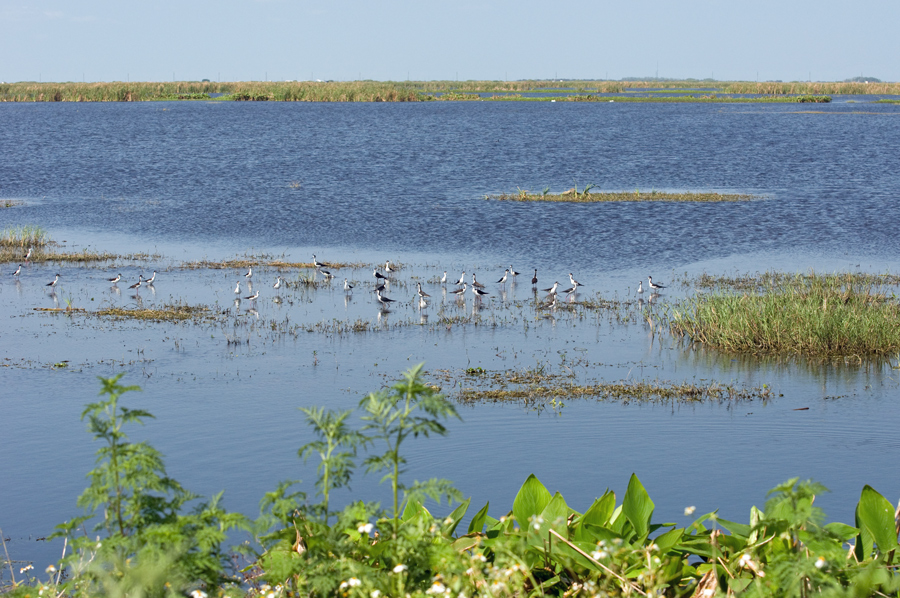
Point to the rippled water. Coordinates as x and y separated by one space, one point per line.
363 183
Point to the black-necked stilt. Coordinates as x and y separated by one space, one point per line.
444 278
317 263
327 274
150 280
570 290
475 283
513 272
378 275
382 299
138 284
253 297
653 285
504 277
460 292
574 282
116 279
237 288
347 285
53 284
387 267
19 269
534 278
277 284
420 292
28 254
552 290
379 287
249 273
462 279
479 293
640 287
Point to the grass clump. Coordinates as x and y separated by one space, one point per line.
814 315
24 236
167 313
586 196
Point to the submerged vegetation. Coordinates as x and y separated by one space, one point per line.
156 538
840 315
587 196
165 313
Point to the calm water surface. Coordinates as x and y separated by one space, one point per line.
364 183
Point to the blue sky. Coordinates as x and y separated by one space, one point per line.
104 40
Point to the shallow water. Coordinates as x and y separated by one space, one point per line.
405 183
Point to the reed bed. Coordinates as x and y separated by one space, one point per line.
819 316
24 237
813 88
612 196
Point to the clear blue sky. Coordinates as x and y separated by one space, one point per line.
106 40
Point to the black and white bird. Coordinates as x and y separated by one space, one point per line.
552 290
420 292
444 278
317 263
249 273
378 275
653 285
379 287
534 278
53 283
460 292
387 267
19 269
574 282
347 286
138 284
115 279
28 254
385 301
640 287
151 279
327 273
277 284
462 279
479 293
513 272
475 283
237 289
504 277
253 297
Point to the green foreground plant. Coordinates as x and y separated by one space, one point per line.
540 546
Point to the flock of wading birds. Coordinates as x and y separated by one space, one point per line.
382 280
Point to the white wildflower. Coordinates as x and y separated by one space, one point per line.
437 588
400 568
30 567
820 562
745 560
689 511
353 582
198 594
343 585
375 593
365 528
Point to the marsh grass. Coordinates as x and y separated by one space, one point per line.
771 279
812 88
840 315
167 313
10 203
45 254
262 262
24 237
573 195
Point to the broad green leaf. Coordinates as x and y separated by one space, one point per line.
668 540
637 507
876 514
555 514
617 521
412 509
842 531
601 511
737 529
865 543
597 533
456 516
466 542
477 523
530 501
